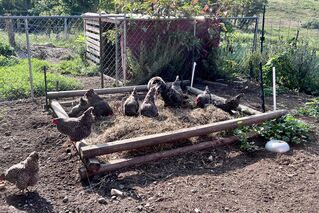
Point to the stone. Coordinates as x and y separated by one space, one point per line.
197 210
116 192
102 200
65 199
140 208
210 158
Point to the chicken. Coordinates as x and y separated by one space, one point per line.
131 104
177 85
170 96
78 109
101 107
23 174
202 100
230 104
148 107
76 128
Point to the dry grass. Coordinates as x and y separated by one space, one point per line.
120 127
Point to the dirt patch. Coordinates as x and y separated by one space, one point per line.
215 180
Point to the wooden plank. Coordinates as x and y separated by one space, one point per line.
93 51
92 41
172 136
111 90
92 57
58 110
118 164
94 29
93 46
241 108
92 35
91 21
213 83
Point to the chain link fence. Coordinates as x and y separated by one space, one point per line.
92 51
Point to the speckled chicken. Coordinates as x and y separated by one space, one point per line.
131 105
170 96
76 128
78 109
148 107
230 104
101 107
23 174
202 100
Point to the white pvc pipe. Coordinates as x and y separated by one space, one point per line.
193 73
274 87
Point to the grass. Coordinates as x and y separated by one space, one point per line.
15 84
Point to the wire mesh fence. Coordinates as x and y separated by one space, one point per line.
90 51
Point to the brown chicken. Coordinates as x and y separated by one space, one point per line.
148 107
131 104
76 128
78 109
230 104
202 100
101 107
23 174
170 96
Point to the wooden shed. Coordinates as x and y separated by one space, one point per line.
110 36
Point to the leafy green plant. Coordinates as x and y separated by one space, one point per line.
288 128
75 67
6 49
8 61
245 145
310 109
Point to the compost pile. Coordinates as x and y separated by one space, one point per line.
120 127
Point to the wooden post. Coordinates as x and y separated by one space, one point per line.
10 30
172 136
125 163
29 57
111 90
66 36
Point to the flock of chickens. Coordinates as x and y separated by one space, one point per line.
78 125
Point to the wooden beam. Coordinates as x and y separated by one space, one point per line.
92 35
111 90
92 57
241 108
93 51
126 163
92 41
156 139
58 110
213 83
95 29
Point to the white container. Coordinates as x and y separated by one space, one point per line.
277 146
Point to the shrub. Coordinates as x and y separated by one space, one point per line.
313 24
8 61
6 50
76 66
14 80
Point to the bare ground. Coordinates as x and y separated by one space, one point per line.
229 181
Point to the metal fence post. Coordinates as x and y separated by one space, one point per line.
46 87
255 36
10 30
125 52
65 28
29 57
116 54
261 79
194 33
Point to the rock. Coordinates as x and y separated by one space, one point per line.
226 209
147 205
197 210
121 186
116 192
140 208
193 191
102 200
210 158
8 133
65 199
113 197
6 147
2 186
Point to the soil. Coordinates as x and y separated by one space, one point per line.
216 180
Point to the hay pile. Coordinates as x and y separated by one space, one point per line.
120 127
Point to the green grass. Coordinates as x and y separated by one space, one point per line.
14 80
